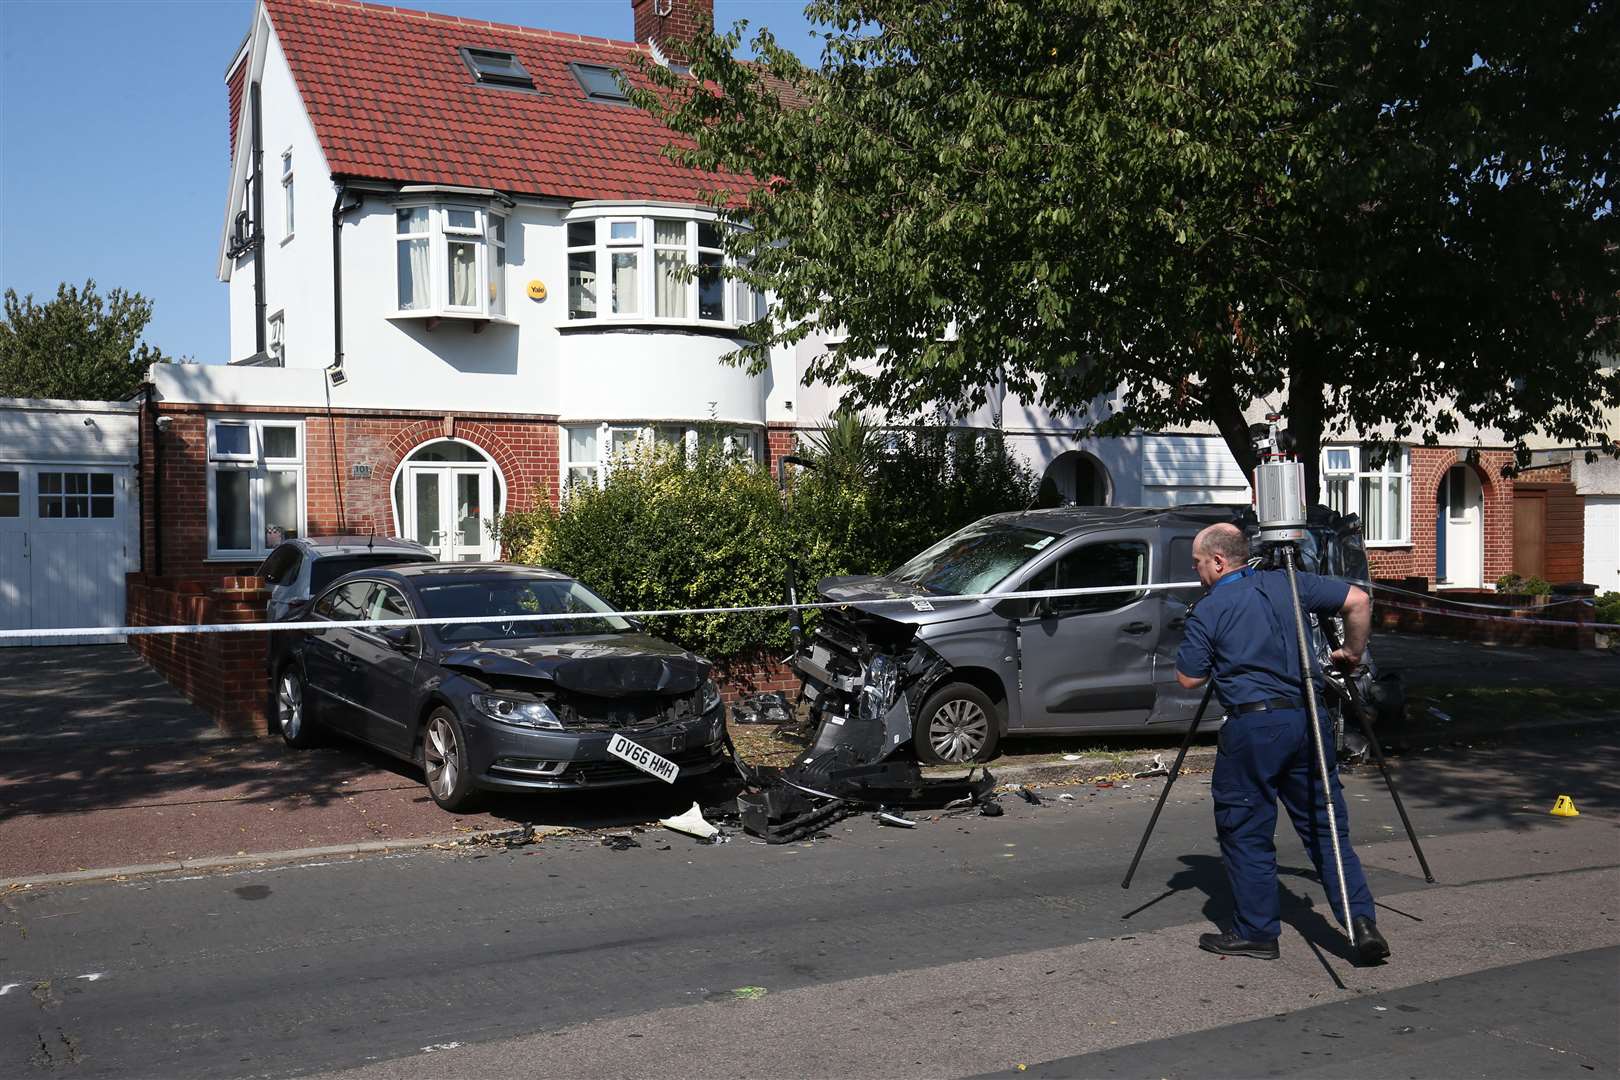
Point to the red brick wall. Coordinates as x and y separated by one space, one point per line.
780 440
755 674
1429 466
685 18
524 449
222 674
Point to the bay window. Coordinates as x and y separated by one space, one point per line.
657 269
467 244
593 450
255 485
1374 482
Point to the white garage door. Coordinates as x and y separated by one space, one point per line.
64 547
1603 542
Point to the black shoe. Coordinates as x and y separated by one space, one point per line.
1232 945
1370 944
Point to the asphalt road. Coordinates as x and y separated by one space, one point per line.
967 946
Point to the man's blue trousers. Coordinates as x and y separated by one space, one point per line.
1265 756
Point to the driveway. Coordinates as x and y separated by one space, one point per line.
72 696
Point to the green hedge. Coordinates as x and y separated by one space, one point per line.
675 530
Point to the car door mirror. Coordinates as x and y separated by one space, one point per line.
398 638
1013 609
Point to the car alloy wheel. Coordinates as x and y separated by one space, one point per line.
444 761
957 730
298 727
957 725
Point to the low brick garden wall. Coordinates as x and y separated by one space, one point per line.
1503 620
222 674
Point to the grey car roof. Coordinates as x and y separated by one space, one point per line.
1068 520
483 569
320 546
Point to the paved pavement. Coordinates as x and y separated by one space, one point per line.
90 695
967 946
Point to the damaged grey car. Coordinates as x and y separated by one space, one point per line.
956 676
491 702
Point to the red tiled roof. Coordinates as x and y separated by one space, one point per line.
391 99
233 97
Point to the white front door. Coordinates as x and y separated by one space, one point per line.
1462 517
447 510
1602 542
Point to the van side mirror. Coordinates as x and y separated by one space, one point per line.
1024 608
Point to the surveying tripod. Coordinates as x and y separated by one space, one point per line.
1345 686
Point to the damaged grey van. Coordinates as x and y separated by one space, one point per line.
961 674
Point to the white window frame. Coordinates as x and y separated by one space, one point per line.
401 238
286 195
740 303
1396 468
495 228
737 443
276 341
487 234
259 467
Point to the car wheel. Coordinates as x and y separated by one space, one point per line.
957 725
444 761
295 710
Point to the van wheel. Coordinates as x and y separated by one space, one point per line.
295 713
957 725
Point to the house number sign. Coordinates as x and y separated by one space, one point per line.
537 290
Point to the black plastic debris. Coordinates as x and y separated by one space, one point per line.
991 809
1029 795
620 842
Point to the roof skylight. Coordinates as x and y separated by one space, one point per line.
495 68
599 83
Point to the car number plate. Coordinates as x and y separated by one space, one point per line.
644 759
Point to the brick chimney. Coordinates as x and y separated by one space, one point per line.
669 21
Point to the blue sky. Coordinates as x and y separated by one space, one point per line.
114 149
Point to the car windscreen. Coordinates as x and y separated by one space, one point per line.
975 559
325 570
497 599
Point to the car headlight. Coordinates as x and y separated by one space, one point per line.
709 696
879 681
517 711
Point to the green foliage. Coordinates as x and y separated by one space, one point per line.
1515 585
671 530
79 345
1383 213
1608 609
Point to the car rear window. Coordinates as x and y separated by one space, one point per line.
326 570
975 559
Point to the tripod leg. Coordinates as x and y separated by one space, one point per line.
1175 771
1308 687
1364 718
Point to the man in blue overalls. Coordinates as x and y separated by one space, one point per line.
1242 633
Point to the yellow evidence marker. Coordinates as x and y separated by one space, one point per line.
1565 807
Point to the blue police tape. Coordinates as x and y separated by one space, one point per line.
918 603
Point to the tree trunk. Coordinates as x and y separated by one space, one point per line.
1305 420
1226 412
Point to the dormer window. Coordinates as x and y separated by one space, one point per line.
492 67
599 83
450 261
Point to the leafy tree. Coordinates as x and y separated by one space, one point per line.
1377 212
79 345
